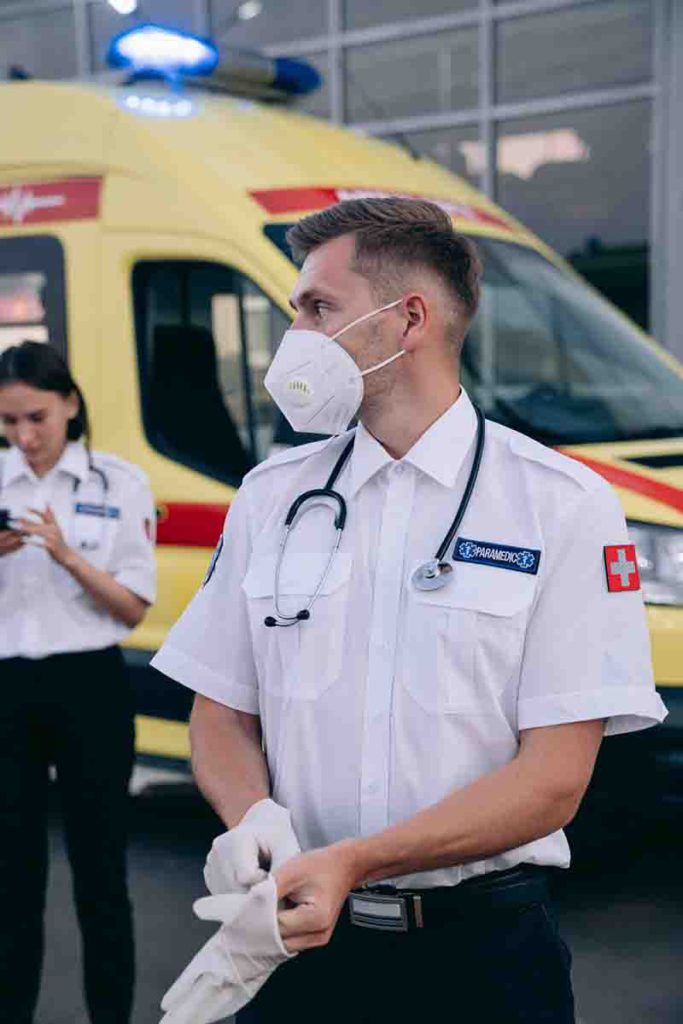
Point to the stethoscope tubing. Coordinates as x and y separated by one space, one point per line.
469 487
436 570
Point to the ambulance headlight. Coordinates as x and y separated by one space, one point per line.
660 562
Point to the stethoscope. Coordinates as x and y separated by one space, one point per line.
430 575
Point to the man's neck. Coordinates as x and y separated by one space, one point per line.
400 422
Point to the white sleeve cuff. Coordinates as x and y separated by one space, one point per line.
627 709
198 677
139 583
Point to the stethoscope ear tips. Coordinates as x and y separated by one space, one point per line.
303 615
269 621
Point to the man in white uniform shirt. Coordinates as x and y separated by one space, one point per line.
430 744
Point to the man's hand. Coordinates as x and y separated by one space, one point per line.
317 883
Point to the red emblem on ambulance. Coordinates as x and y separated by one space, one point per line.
621 566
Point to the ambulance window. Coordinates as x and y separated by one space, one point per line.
548 356
32 304
206 335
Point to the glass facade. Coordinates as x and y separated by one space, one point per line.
592 46
551 108
442 76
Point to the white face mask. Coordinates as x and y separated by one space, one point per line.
315 382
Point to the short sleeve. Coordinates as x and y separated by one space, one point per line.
133 564
587 650
209 648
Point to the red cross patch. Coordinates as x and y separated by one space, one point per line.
621 566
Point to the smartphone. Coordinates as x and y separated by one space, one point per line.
6 519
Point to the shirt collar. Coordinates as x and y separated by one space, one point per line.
439 453
73 460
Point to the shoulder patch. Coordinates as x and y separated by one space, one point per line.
298 453
214 560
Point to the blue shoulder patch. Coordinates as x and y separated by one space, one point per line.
500 556
214 559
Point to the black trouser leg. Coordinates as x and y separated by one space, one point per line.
94 737
498 967
23 840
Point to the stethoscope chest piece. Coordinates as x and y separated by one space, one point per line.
432 575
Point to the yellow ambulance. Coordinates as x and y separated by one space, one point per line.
142 232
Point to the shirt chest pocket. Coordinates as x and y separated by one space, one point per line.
92 537
464 643
302 660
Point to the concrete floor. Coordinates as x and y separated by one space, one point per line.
620 907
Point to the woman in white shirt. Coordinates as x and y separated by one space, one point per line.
77 573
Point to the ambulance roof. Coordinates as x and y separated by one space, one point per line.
228 157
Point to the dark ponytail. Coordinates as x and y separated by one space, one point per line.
40 366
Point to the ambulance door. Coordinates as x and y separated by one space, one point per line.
188 357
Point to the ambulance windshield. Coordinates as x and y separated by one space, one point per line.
547 356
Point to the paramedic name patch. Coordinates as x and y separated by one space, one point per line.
500 556
101 511
621 567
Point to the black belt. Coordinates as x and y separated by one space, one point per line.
400 910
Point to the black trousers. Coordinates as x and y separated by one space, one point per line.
502 966
74 711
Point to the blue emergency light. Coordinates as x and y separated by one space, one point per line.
155 51
163 51
295 77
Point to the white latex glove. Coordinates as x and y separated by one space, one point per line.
242 857
231 967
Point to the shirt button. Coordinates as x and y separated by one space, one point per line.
398 468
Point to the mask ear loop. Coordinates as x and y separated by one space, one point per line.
391 359
366 316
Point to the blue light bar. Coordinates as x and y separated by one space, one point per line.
165 51
296 77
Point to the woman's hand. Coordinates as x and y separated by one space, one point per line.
10 541
52 538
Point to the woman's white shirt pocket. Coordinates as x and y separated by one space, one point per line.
302 660
92 537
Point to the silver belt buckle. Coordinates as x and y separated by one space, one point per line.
385 912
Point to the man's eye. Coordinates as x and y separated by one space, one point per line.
319 307
37 418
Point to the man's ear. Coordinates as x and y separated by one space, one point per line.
416 314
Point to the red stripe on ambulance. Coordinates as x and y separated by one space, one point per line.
40 202
630 481
298 200
190 524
